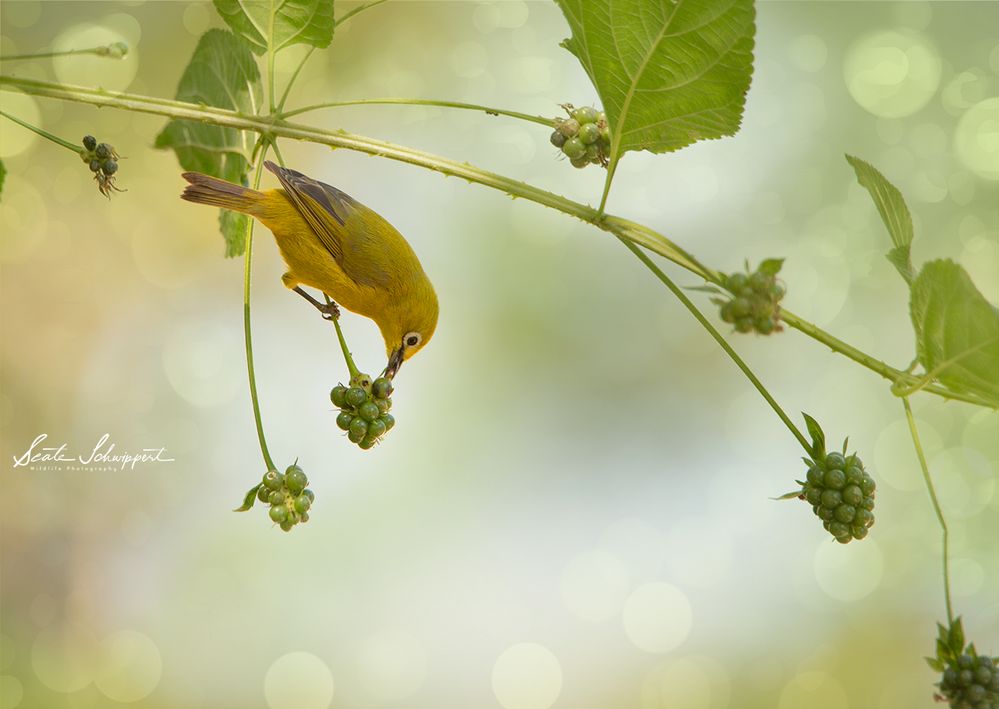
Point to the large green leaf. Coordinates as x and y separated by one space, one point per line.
957 330
285 22
222 72
894 213
668 72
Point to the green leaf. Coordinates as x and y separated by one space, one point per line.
818 437
957 331
770 266
222 72
668 72
249 498
935 664
894 213
955 638
233 226
3 175
284 22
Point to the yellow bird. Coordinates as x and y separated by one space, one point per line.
332 242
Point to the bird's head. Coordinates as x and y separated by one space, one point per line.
408 329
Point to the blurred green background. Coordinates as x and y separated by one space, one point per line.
574 508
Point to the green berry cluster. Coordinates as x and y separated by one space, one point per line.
969 680
972 682
583 137
753 300
364 409
103 162
288 496
841 494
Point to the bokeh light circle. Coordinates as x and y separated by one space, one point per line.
392 665
815 690
298 680
976 139
895 462
15 139
595 585
80 69
691 682
129 666
63 657
848 572
657 617
892 74
808 52
527 676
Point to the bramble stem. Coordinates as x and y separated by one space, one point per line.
936 505
118 50
423 102
44 133
699 316
247 335
622 228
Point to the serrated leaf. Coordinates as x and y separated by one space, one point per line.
818 436
893 210
668 72
957 330
279 22
770 266
249 499
222 72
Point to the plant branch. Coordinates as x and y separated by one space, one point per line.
44 133
699 316
622 228
294 77
550 122
247 334
936 505
118 50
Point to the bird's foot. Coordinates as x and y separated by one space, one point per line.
329 310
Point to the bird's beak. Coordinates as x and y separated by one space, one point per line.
395 361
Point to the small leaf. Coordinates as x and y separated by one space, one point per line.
249 498
957 330
944 651
668 73
935 664
770 266
894 213
279 22
955 638
818 437
222 72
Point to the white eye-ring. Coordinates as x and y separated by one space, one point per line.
412 339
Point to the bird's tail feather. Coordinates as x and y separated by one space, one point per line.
205 189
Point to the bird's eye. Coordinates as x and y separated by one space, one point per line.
412 339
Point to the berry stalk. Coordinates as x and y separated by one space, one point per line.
351 367
118 50
913 431
44 133
423 102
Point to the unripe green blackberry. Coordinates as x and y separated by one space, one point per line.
355 396
589 133
574 148
343 420
376 428
295 479
972 681
557 138
273 480
382 388
368 411
568 128
843 506
362 408
752 303
585 114
338 395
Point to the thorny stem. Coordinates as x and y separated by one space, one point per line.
936 505
423 102
621 228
